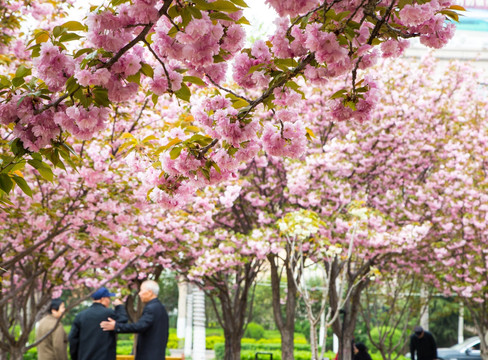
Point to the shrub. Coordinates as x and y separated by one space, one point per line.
248 351
124 347
173 341
31 354
210 341
248 341
254 331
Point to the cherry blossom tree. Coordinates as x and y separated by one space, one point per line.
174 47
85 229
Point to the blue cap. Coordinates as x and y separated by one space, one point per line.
101 293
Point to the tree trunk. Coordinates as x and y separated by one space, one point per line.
232 346
345 324
284 322
313 342
15 354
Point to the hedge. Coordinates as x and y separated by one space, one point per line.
248 351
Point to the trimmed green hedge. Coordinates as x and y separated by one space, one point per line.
248 351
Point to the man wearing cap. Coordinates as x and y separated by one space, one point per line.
54 343
422 342
152 327
86 340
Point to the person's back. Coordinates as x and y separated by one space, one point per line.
155 337
54 345
152 327
87 340
361 352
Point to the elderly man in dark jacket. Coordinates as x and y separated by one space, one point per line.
152 326
422 342
86 340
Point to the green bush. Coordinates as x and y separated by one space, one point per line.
31 354
248 341
124 347
173 341
302 351
254 331
210 341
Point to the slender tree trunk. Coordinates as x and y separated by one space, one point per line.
314 342
284 322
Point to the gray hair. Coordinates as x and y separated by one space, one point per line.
152 286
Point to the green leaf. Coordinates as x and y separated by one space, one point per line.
197 14
240 104
6 183
149 138
22 184
101 96
17 81
154 99
136 78
67 149
184 93
22 71
215 166
220 16
175 152
173 11
36 156
71 84
147 70
286 62
243 20
81 97
172 32
342 15
43 168
4 81
74 26
185 17
82 51
69 37
58 30
17 147
240 3
205 172
351 105
338 94
194 80
118 2
452 14
219 5
218 58
41 37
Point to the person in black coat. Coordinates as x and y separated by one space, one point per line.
361 352
86 340
152 327
423 343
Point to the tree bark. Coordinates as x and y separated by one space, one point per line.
284 322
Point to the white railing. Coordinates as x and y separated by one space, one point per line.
473 4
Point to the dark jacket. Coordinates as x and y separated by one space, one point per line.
87 340
55 345
362 353
152 327
425 347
